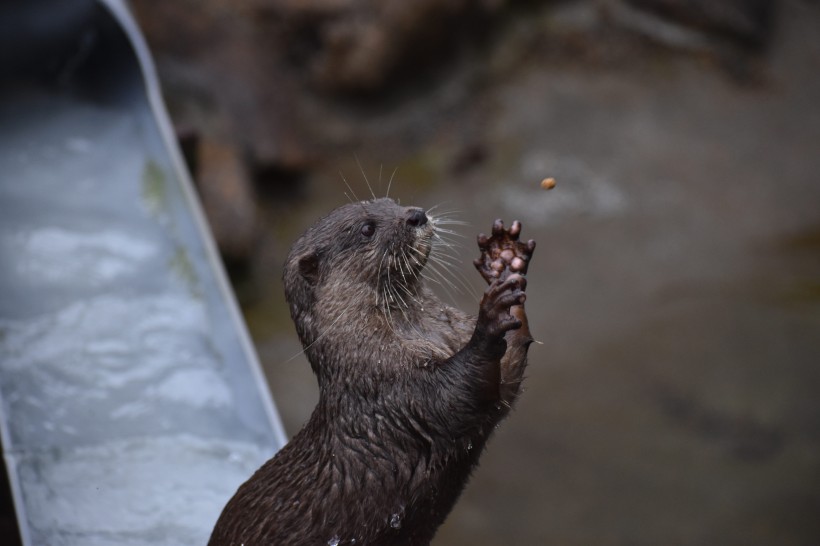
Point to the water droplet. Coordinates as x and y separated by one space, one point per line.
395 521
333 541
469 445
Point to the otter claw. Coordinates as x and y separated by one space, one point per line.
515 230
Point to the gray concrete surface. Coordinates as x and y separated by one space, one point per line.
131 401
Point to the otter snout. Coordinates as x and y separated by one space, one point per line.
416 217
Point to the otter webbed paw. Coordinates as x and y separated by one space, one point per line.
502 254
494 318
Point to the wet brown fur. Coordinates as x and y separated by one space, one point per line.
410 389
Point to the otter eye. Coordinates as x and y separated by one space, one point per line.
368 229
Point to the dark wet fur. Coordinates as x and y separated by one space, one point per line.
410 390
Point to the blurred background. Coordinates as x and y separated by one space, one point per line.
676 284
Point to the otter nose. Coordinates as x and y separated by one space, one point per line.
416 218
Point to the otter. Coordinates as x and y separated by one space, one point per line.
410 388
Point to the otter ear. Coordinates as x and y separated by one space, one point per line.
309 267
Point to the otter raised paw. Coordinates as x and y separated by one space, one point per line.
494 318
502 254
504 257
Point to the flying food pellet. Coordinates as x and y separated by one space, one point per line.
548 183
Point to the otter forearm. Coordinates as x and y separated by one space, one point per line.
514 362
466 389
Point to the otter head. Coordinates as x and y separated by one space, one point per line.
361 260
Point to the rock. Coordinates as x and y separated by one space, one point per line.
361 46
746 21
227 198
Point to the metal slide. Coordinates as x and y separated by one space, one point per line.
131 401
